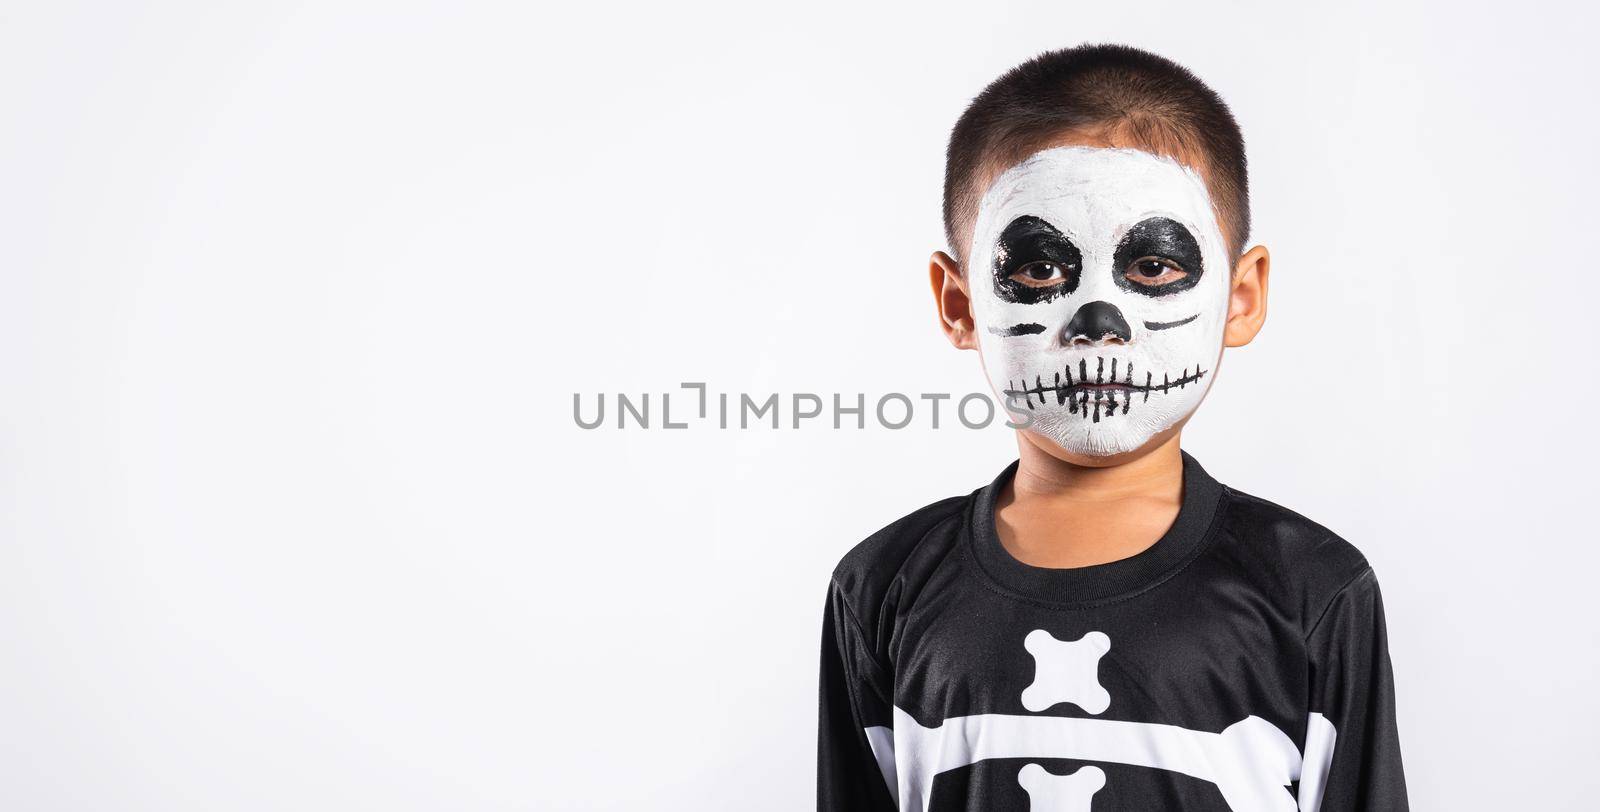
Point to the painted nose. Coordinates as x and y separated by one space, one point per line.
1096 322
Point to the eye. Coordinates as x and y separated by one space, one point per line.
1154 272
1157 257
1042 274
1035 263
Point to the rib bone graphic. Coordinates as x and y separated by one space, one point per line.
1251 761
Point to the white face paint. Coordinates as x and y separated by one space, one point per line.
1099 281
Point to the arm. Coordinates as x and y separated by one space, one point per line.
854 697
1352 687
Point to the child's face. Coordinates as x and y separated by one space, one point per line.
1100 284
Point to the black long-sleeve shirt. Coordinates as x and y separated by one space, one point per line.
1240 663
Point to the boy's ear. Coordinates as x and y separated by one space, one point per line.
955 305
1247 302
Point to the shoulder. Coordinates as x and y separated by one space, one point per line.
880 571
1300 559
886 550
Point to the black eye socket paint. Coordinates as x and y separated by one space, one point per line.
1162 238
1027 240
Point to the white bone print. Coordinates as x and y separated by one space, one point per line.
1251 762
1066 672
1048 792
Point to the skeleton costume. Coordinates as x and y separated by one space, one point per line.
1239 663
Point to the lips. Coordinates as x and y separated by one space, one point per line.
1100 391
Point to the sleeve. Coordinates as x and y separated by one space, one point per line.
1352 751
855 739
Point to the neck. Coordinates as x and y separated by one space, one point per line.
1044 475
1059 514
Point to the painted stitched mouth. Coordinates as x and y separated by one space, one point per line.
1104 394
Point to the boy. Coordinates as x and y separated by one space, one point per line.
1104 626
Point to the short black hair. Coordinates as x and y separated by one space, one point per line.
1098 91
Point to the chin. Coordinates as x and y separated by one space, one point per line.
1108 454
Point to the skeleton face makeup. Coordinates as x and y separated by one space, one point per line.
1099 282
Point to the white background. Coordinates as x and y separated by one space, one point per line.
294 301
